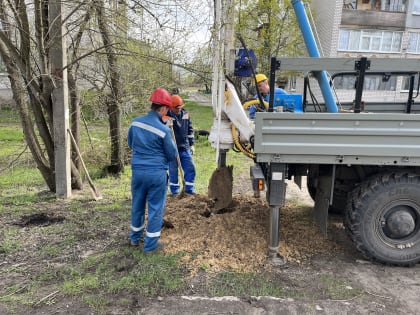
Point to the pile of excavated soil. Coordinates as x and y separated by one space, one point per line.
237 237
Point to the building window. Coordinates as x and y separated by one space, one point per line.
350 4
414 43
369 41
416 7
405 87
371 82
393 5
378 5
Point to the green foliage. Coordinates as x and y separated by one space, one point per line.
143 70
202 64
269 27
9 114
91 105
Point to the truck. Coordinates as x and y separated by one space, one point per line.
360 159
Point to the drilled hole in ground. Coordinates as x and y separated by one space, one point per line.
39 219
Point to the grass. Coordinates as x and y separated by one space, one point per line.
337 289
9 244
228 283
11 133
114 272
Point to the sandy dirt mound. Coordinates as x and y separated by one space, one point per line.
237 236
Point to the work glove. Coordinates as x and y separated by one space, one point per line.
192 150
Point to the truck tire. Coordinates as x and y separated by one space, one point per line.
383 218
339 196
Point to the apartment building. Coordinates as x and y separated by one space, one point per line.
372 29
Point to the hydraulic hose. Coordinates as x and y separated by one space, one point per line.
254 102
245 150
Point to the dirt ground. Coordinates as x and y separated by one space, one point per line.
236 239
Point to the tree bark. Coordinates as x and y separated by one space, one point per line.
114 97
27 62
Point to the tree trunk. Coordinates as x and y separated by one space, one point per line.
113 100
27 62
74 114
19 95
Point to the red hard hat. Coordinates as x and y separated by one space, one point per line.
161 96
177 101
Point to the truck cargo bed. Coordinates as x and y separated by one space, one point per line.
338 138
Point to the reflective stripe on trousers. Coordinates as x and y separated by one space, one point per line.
188 168
148 186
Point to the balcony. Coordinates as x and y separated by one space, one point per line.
374 19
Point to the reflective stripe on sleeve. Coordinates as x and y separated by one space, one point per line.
137 229
147 127
155 234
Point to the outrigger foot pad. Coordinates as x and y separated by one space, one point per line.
275 259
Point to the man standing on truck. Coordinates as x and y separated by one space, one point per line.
264 88
184 136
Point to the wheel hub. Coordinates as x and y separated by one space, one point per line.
400 224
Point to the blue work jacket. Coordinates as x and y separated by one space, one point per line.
151 142
266 97
183 129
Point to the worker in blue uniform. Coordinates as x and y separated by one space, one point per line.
264 89
184 138
153 149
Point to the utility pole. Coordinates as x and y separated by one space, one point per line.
60 102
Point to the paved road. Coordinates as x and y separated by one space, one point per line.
200 98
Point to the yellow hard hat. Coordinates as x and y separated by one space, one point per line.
260 77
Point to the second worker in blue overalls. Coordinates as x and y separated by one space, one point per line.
184 135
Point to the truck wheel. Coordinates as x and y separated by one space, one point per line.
383 218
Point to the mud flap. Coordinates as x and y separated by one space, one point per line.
220 187
323 198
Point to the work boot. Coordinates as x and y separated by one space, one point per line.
158 249
133 243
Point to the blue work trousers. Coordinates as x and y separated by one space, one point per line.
148 186
188 168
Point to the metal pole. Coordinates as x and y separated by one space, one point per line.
361 68
272 83
313 51
273 243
